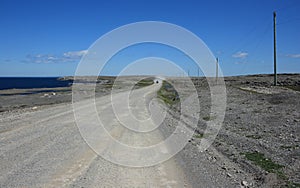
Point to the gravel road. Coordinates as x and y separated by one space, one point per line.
43 148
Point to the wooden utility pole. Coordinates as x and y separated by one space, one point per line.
275 67
217 70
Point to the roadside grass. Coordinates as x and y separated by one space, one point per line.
209 118
295 88
108 86
198 135
248 90
293 185
168 94
144 82
268 165
254 136
265 163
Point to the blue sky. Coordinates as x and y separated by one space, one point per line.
48 37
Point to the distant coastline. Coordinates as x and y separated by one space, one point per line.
32 82
67 81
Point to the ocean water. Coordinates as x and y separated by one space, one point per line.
32 82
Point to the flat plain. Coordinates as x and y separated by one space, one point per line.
257 146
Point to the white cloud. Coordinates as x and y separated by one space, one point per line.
240 55
75 54
72 56
41 58
293 55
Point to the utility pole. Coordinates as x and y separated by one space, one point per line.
198 72
217 70
275 71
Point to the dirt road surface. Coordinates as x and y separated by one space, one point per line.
41 145
44 148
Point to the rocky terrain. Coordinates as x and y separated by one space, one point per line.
257 146
261 128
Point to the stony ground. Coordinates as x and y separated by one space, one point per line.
261 130
257 146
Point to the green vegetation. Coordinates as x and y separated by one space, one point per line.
209 118
168 94
254 136
292 185
200 135
144 82
108 86
266 164
295 88
269 166
248 90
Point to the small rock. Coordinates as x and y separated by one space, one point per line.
34 108
229 175
214 159
244 184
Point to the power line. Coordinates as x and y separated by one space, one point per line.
291 5
289 21
261 38
246 38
